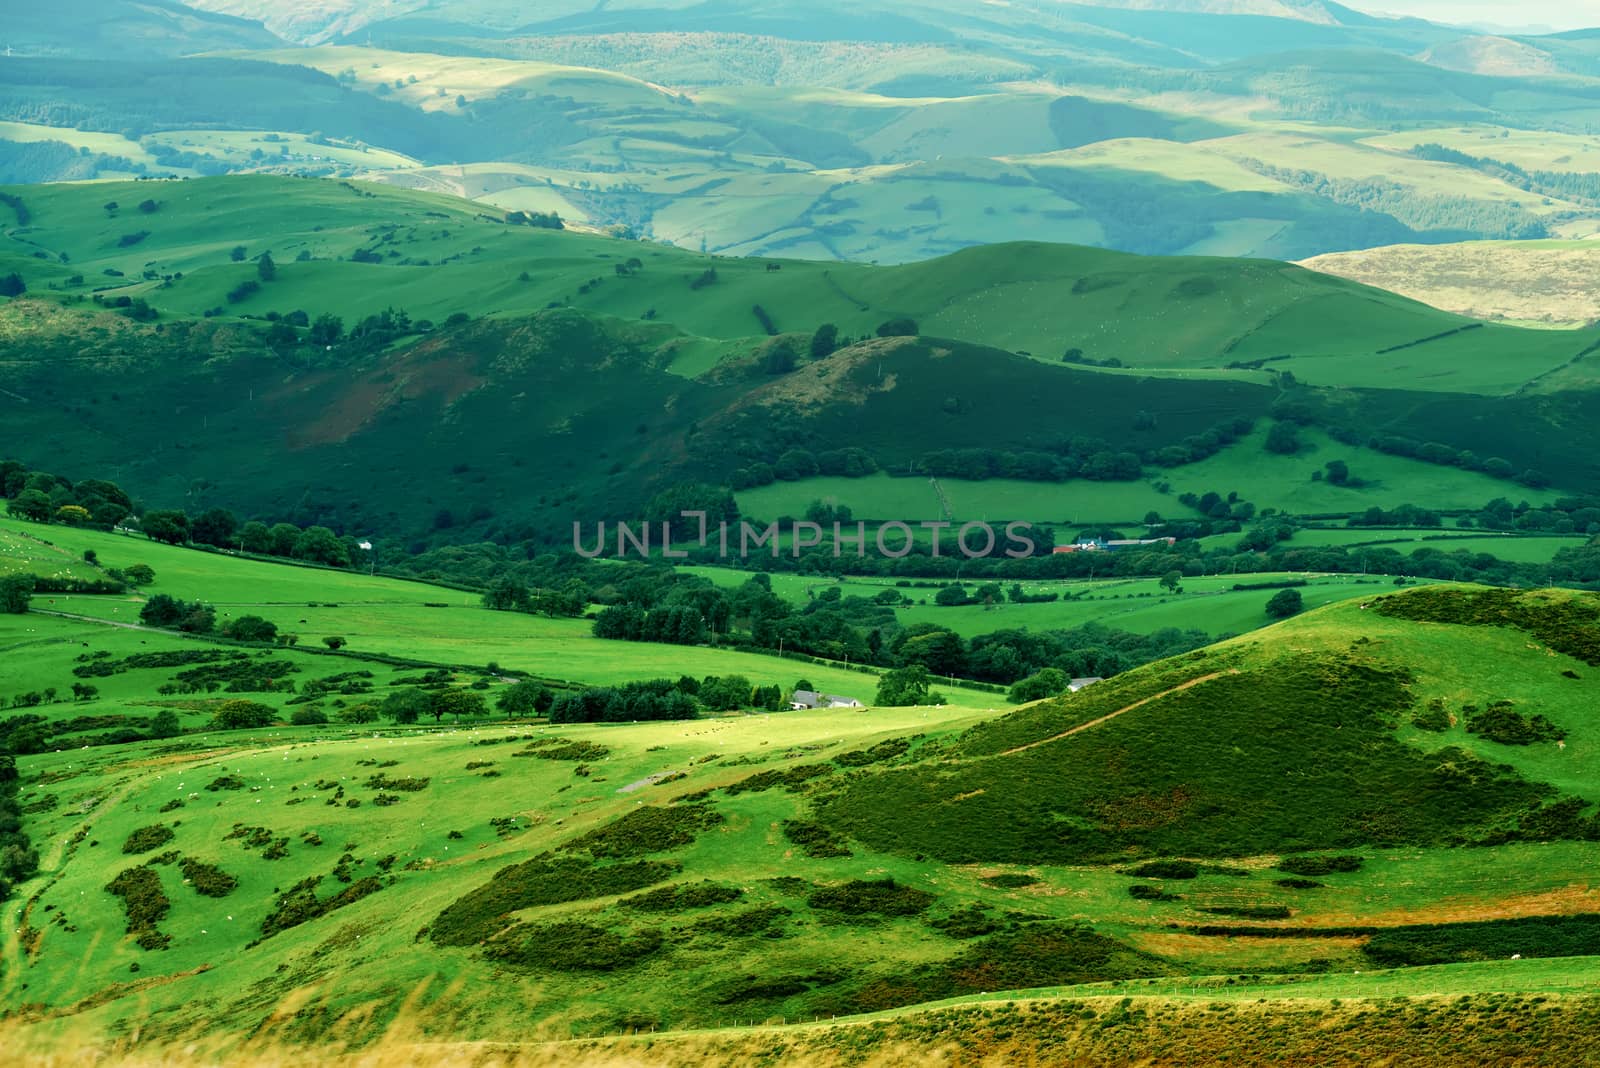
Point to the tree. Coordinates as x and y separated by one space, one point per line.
12 285
149 207
15 593
169 526
199 619
526 698
952 595
266 270
906 686
1285 603
507 595
898 328
214 527
250 629
779 359
30 504
1338 472
459 703
255 537
140 575
1172 582
239 714
307 716
726 693
408 705
82 691
284 536
165 724
327 329
321 545
161 610
824 341
237 254
1283 439
333 641
1046 682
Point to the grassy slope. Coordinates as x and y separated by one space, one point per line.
374 614
1147 312
101 795
1268 480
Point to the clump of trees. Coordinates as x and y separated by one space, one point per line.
167 612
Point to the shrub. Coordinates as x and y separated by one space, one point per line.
1146 892
383 782
871 896
301 904
1502 723
681 897
544 880
572 947
1285 603
250 629
239 714
207 879
1319 865
144 903
1250 912
308 716
145 839
814 839
650 829
1165 869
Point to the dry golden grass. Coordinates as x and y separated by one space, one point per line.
1529 282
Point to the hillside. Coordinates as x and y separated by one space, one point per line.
125 29
1533 282
892 132
626 365
1213 815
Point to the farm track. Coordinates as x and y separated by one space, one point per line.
1113 715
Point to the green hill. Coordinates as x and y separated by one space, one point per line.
1333 796
625 366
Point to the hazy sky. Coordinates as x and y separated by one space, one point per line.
1557 14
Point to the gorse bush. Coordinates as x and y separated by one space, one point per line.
883 897
682 897
650 829
546 880
145 839
571 947
1293 752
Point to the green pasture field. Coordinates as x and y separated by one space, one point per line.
396 617
1521 548
1207 603
1266 479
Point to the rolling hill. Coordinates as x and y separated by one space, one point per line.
623 366
1215 815
891 132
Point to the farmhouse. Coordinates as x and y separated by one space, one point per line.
804 699
1096 545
